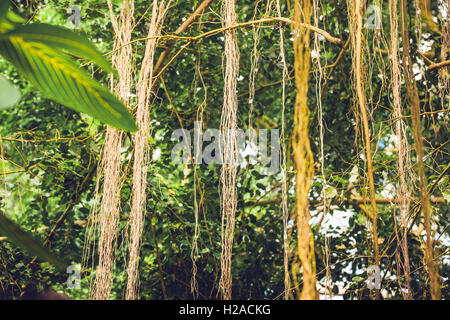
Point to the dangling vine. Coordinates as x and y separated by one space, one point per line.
106 221
303 157
319 79
401 142
228 127
355 21
414 101
141 152
444 77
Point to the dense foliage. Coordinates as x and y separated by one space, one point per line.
50 156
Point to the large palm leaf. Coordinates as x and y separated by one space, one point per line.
60 79
37 51
61 38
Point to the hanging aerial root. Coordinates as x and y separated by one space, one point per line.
356 24
414 100
228 127
106 222
141 149
303 157
444 77
401 143
320 83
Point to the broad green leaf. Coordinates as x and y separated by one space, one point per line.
60 79
27 242
61 38
9 95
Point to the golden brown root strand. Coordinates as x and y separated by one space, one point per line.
356 24
402 146
141 153
228 126
414 101
303 158
108 219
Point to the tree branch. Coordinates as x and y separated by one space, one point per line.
210 33
181 29
438 65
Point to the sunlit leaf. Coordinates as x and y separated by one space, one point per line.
60 79
58 37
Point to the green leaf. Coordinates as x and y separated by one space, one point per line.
60 79
27 242
62 38
9 95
